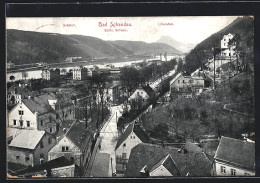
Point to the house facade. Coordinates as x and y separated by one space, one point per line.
81 73
132 136
228 162
227 50
30 147
186 86
16 94
34 113
49 74
75 144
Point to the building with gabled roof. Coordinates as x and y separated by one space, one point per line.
75 144
15 94
226 48
132 136
234 157
35 113
30 147
186 86
166 161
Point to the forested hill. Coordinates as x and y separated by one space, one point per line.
33 47
142 48
243 26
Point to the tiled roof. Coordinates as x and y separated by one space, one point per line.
40 104
191 163
55 163
79 135
168 163
27 139
237 152
132 128
126 133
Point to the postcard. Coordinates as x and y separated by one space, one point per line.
157 96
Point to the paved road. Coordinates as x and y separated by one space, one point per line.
109 135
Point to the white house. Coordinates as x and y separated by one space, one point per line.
75 144
132 136
227 50
34 113
30 147
234 157
184 86
81 73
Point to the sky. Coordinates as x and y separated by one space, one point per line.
148 29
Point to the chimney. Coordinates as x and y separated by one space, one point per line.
161 57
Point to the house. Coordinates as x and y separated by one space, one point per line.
79 73
35 113
227 50
234 157
30 147
151 160
186 86
75 144
50 74
156 62
15 94
141 96
59 167
132 136
112 92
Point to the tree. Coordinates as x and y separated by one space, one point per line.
99 84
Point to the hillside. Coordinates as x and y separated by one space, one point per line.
24 47
184 47
242 26
142 48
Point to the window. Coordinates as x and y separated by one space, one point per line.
21 122
14 121
20 112
41 144
183 81
49 140
27 158
124 144
124 155
233 172
41 122
17 157
178 81
50 129
223 169
28 123
64 148
247 174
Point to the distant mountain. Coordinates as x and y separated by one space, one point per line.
33 47
184 47
142 48
244 26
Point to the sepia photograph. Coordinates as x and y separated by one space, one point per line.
130 97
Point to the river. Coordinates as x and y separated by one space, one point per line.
36 73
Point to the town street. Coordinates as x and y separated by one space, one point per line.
109 135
